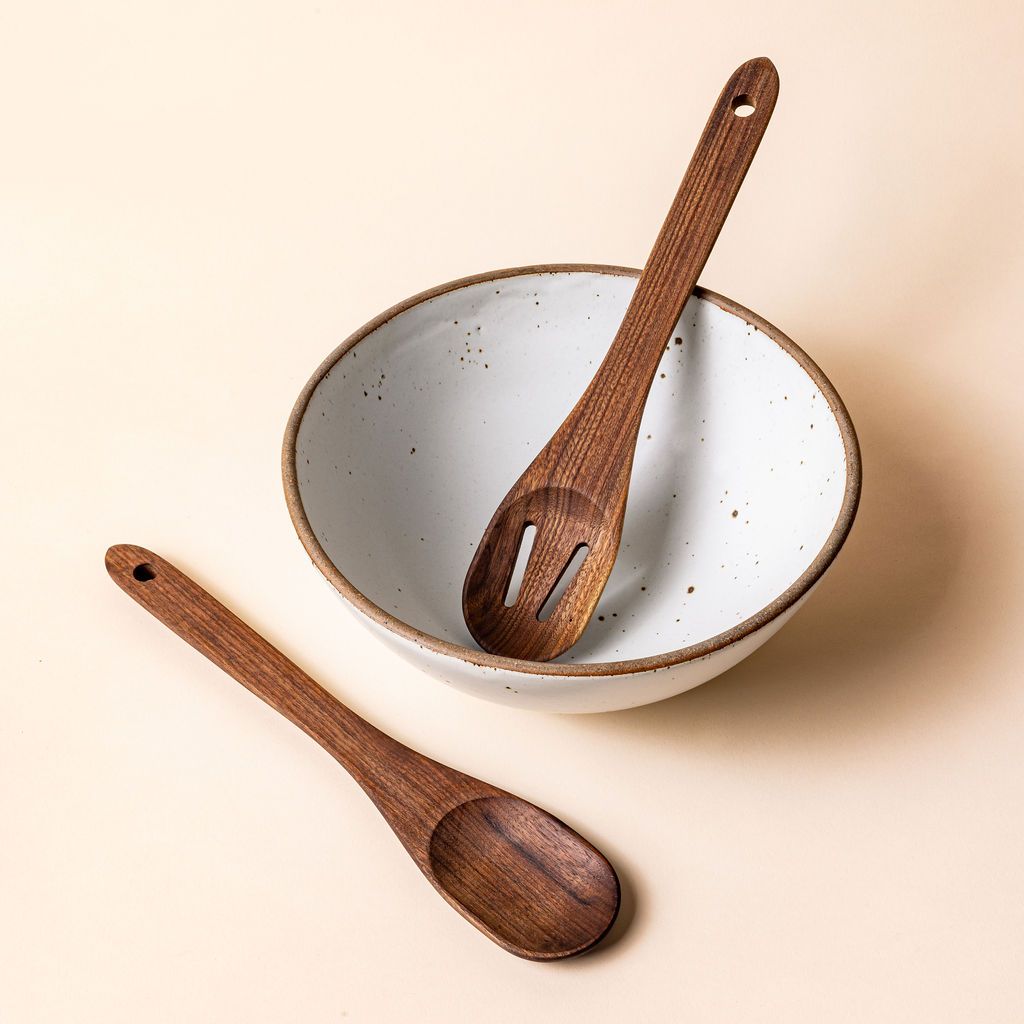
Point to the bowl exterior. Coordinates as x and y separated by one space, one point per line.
575 694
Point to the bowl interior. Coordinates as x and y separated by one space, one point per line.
411 439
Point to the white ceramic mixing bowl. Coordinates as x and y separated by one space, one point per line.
745 484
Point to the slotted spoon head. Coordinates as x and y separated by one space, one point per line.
558 592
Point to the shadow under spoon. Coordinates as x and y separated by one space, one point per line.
521 876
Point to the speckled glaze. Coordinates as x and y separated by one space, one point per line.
745 483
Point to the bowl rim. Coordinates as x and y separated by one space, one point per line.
778 606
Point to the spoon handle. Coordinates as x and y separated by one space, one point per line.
521 876
614 401
410 790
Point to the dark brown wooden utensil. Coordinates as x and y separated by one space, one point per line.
574 492
524 878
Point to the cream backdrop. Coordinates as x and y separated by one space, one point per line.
198 201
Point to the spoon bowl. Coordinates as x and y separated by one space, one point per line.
523 877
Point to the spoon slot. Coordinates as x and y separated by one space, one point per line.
515 583
567 575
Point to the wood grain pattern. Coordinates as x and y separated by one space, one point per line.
575 490
521 876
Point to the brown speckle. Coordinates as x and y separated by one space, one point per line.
690 590
735 513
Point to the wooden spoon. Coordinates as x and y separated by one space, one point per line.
524 878
574 492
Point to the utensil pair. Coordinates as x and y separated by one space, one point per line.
524 878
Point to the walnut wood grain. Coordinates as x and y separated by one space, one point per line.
575 490
521 876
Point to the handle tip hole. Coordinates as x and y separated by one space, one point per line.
743 105
144 573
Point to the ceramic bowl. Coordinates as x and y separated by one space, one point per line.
404 441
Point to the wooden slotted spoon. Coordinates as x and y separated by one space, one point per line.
574 492
524 878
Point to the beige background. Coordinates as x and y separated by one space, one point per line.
199 200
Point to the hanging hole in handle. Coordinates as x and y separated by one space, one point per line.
144 573
743 105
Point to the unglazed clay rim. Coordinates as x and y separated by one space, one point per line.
751 625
